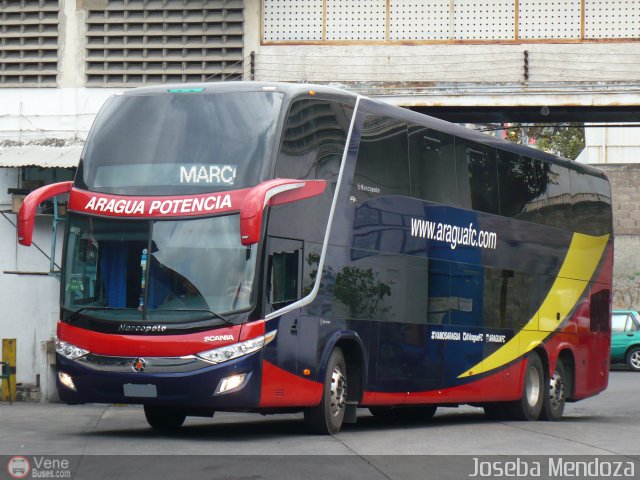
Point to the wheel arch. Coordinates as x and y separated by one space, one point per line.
629 348
563 352
544 358
568 359
354 355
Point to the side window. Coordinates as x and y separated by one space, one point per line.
600 302
591 202
432 164
477 176
283 274
520 187
556 211
313 139
382 167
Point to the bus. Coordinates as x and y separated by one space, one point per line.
273 248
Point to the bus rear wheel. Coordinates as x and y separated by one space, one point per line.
327 418
164 418
533 391
555 395
495 411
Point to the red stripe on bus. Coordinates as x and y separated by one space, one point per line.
156 345
500 386
281 388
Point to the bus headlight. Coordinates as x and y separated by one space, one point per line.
224 354
67 350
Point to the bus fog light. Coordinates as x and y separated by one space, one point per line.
229 384
67 381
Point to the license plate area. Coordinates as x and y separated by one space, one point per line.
140 391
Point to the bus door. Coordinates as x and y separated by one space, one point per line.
283 284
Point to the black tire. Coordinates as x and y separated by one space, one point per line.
495 410
405 414
164 418
633 359
385 413
533 392
556 394
326 418
419 414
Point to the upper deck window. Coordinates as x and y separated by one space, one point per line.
181 143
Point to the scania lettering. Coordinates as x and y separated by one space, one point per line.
279 248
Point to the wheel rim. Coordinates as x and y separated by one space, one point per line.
532 387
338 391
634 359
556 391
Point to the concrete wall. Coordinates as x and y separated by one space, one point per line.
31 114
612 144
625 187
450 63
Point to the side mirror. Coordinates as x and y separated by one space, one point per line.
27 213
272 192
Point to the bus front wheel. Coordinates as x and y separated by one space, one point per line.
164 418
533 391
327 417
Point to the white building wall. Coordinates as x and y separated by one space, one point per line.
32 114
613 144
28 296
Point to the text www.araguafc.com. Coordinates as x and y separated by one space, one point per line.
454 235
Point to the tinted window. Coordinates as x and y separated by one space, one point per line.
133 270
283 272
477 176
432 163
556 207
313 139
521 187
600 304
591 200
466 300
180 143
382 167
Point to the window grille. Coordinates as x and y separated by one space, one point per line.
136 42
28 43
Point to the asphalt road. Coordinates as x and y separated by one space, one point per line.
101 441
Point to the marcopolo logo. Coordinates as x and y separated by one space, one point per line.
18 467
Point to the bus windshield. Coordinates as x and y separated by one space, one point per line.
183 143
162 270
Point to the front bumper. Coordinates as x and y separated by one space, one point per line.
192 388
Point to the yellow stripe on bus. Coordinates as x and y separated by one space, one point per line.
579 266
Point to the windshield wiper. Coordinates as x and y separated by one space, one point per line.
76 313
205 310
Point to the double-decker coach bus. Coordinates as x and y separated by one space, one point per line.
280 248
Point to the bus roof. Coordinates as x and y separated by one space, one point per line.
290 89
294 89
